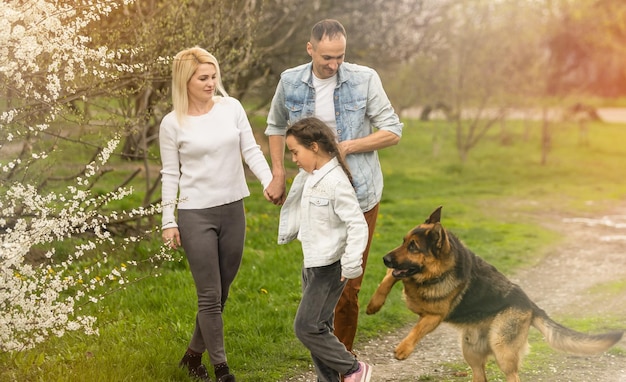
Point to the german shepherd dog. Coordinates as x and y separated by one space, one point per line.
445 282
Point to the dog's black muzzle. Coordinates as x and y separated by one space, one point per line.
400 271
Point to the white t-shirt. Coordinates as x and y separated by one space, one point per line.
324 103
202 161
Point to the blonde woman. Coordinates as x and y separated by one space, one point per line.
202 143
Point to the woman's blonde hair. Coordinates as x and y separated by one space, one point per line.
185 64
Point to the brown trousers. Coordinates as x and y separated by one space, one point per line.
347 309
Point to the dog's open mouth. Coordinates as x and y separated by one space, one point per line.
404 273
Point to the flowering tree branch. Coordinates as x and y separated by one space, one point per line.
46 60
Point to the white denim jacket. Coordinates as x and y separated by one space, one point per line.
324 214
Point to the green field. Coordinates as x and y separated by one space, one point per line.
488 201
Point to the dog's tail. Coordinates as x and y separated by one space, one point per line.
570 341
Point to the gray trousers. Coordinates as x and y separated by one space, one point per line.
313 325
213 240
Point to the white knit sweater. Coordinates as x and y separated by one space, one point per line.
202 164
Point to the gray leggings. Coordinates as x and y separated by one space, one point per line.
213 239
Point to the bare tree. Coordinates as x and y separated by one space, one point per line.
479 71
481 58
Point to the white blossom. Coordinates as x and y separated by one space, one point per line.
43 55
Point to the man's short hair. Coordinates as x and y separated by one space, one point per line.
328 27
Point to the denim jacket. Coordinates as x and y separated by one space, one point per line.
361 105
326 218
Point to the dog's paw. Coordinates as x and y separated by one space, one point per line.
374 306
403 350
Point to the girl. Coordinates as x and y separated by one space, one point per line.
322 211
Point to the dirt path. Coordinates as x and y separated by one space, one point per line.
593 253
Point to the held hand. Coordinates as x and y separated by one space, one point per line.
171 237
269 198
275 192
281 201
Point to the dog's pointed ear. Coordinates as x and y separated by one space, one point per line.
435 216
438 238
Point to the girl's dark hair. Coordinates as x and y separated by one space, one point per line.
312 130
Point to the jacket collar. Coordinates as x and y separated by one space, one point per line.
319 174
308 74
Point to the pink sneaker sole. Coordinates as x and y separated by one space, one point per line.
367 375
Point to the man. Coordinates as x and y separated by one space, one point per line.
350 98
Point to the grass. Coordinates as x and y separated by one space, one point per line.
487 201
